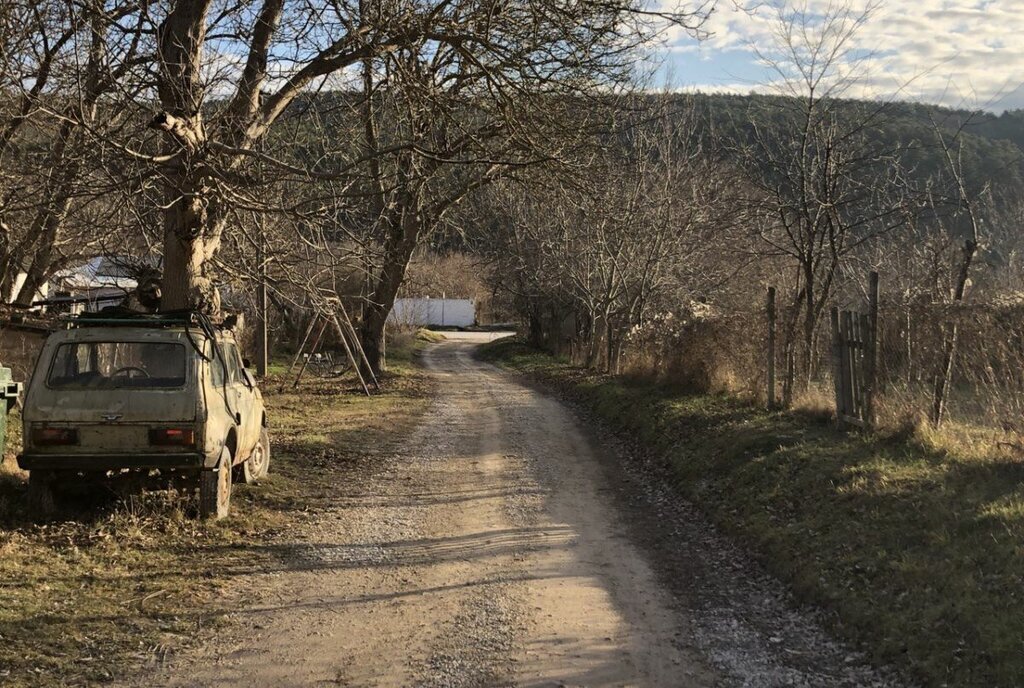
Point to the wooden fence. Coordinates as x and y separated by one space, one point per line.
854 359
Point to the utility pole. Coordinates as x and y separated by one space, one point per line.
262 340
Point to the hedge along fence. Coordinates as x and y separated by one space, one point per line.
700 349
707 349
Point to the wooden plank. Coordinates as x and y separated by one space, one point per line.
854 364
865 366
771 348
844 330
855 368
872 352
837 363
857 365
348 351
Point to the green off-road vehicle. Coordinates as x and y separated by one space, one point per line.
164 396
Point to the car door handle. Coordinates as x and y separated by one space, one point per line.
238 418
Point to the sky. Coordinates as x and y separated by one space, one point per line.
960 53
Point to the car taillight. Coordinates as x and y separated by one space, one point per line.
173 437
53 437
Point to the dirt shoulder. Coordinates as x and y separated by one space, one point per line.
112 585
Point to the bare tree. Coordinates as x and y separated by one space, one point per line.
64 59
824 183
610 247
966 205
483 53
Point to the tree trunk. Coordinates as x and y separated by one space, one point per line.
65 163
950 341
809 323
48 225
191 227
382 299
10 264
534 328
191 237
593 342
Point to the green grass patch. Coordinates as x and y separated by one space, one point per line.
918 549
117 582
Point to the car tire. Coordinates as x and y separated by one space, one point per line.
258 464
215 489
41 494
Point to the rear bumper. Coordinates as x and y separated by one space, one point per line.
108 462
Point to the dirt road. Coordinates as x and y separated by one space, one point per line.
493 550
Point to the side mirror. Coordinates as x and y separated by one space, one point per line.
246 363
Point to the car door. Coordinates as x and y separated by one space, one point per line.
220 400
243 398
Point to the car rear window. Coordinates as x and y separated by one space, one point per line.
118 365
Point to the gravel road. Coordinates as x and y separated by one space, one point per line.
503 545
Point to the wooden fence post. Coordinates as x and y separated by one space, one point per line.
871 353
837 365
771 349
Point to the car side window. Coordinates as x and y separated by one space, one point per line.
231 358
216 367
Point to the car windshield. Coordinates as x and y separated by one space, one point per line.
116 365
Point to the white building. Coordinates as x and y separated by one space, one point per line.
93 285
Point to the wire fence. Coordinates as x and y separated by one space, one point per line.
711 350
985 385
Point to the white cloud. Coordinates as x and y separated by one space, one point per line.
956 52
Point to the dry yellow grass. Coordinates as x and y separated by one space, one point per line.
118 582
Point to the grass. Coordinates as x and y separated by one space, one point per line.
406 345
916 545
115 583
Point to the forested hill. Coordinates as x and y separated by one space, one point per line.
1006 127
992 145
988 148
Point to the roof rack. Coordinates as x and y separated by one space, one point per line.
126 318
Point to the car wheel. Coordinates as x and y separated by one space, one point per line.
215 488
40 492
258 464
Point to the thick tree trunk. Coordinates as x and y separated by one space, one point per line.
810 321
191 231
191 237
10 264
382 300
535 328
35 277
593 341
